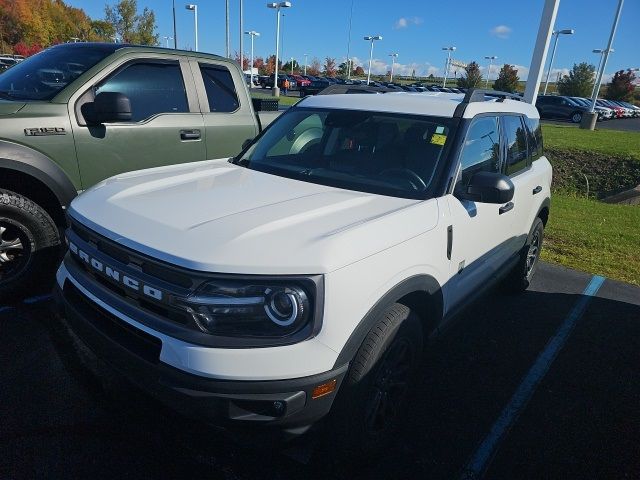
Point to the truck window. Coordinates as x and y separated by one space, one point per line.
221 91
481 150
535 138
516 138
152 88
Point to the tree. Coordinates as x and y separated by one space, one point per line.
343 69
579 82
621 86
472 77
287 67
131 27
258 62
359 71
314 67
329 67
245 61
102 31
431 77
507 80
270 66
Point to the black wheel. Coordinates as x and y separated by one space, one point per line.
373 396
520 277
29 244
576 117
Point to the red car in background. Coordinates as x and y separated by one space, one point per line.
302 82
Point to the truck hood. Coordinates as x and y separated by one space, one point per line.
9 107
217 217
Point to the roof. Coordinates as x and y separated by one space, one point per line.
438 104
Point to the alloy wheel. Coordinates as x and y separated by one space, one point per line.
15 249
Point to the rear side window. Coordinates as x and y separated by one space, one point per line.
221 91
481 150
515 136
152 88
535 138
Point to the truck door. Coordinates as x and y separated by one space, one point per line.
482 232
166 125
228 117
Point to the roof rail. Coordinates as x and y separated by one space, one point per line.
479 95
344 88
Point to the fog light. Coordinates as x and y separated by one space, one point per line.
324 389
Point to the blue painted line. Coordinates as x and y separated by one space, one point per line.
485 452
37 299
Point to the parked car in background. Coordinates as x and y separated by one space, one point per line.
7 62
556 106
604 113
268 81
302 82
316 86
619 111
78 113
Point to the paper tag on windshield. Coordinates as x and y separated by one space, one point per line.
439 129
438 139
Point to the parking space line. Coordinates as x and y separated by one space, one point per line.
37 299
487 449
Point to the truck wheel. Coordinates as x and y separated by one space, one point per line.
380 377
520 277
29 244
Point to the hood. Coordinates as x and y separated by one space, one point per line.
217 217
10 107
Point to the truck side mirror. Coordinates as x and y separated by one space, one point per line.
109 107
489 187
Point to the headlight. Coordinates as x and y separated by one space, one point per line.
244 308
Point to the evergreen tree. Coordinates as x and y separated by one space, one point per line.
579 82
472 76
507 80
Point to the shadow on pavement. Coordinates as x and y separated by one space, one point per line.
584 418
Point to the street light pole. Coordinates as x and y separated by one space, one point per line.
348 44
592 117
253 34
305 63
393 61
491 59
557 33
292 60
166 39
277 6
241 38
175 36
194 8
371 39
448 64
599 51
227 34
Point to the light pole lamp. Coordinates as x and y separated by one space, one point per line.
252 34
194 8
448 64
166 40
371 39
277 6
393 61
491 58
557 33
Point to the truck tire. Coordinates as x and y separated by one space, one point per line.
376 388
520 277
29 245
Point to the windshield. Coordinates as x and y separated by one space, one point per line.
43 75
382 153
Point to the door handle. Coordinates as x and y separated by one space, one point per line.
538 189
189 134
505 208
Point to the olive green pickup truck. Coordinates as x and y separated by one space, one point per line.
78 113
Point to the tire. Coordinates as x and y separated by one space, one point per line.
29 245
520 277
576 117
376 388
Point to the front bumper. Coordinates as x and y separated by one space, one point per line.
283 405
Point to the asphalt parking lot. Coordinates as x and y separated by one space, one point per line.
582 420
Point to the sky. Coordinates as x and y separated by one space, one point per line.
415 29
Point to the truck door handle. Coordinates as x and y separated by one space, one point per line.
505 208
189 134
538 189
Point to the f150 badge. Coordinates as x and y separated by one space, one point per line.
41 131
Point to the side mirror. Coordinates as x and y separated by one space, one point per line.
489 187
110 107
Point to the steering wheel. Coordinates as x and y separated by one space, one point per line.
416 181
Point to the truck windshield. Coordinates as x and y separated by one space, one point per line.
43 75
375 152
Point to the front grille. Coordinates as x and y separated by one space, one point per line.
129 257
140 343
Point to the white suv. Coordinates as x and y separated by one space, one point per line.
313 266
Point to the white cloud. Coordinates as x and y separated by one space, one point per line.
501 31
381 67
404 22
